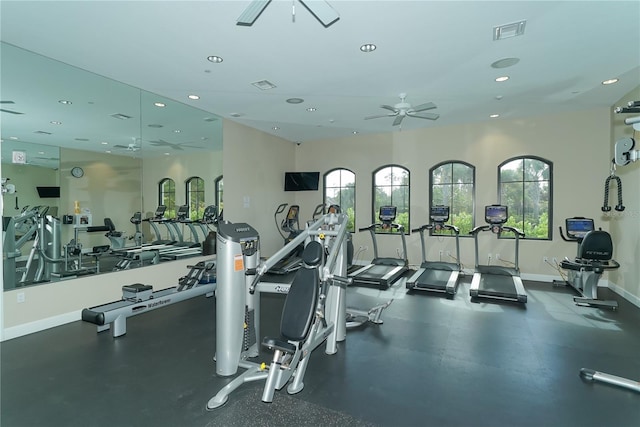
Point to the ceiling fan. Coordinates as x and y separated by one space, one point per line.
178 146
404 109
134 146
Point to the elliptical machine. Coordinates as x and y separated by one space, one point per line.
290 224
595 251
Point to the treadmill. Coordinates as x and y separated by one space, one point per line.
382 271
437 276
496 281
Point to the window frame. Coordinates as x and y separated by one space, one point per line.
219 193
374 209
163 196
201 199
473 194
521 226
352 227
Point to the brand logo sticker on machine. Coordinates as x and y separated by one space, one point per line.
238 262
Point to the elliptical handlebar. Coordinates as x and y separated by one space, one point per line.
453 228
514 230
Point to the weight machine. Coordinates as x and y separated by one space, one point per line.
313 314
624 154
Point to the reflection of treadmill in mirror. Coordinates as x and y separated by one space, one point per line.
437 276
291 225
158 218
383 271
495 281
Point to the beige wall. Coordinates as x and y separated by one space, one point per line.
254 166
577 143
111 187
26 178
625 226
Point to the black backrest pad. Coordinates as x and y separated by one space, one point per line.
300 304
596 245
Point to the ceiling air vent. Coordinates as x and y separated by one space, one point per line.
120 116
264 85
509 30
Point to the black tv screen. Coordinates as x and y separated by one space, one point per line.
48 192
301 181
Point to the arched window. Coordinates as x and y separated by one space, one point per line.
219 194
340 189
195 197
453 185
391 187
167 196
525 186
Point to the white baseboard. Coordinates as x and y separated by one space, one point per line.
624 293
41 325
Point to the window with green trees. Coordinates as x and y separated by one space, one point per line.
525 187
340 189
167 196
195 197
453 185
219 194
391 187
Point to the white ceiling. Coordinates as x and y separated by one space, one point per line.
439 51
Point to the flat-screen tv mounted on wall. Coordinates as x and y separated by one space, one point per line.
48 192
301 181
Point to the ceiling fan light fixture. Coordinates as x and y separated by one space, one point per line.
502 79
160 104
368 47
610 81
65 102
215 59
311 109
494 116
295 100
194 97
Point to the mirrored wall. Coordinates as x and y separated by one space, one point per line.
83 147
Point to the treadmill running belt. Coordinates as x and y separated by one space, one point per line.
434 278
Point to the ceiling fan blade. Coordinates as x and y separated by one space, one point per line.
423 107
398 120
428 116
390 108
120 146
380 115
252 12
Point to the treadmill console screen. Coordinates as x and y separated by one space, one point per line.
387 213
183 212
210 213
495 214
160 210
577 228
439 213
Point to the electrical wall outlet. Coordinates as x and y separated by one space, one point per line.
20 297
545 259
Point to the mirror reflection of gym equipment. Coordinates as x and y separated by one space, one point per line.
496 281
437 276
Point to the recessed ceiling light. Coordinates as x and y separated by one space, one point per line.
15 138
493 116
82 139
160 104
215 59
41 152
108 151
235 115
104 143
155 126
505 62
502 78
193 97
295 100
275 128
610 81
311 109
368 47
355 132
55 122
177 131
167 154
65 102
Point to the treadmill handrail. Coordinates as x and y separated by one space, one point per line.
455 229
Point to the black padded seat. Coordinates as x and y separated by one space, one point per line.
300 305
